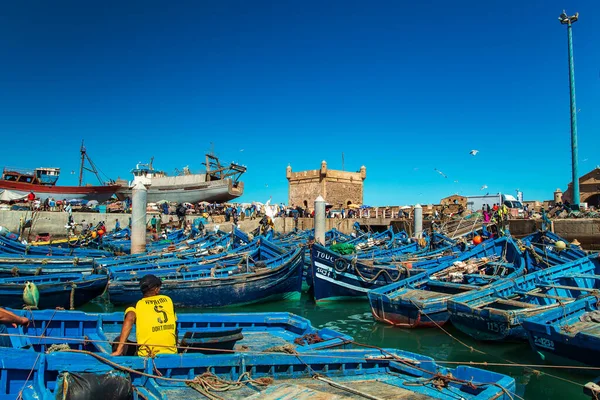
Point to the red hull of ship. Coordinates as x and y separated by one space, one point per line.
99 193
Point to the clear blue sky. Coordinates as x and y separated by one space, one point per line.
401 87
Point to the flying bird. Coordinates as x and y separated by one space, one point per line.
455 181
584 160
483 187
440 172
474 152
242 150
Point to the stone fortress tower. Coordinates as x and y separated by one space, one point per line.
338 188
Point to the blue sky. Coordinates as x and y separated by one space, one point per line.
401 87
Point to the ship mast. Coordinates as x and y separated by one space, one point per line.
82 150
92 168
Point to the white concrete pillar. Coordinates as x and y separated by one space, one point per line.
139 195
320 220
418 221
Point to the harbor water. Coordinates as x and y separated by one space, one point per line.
354 318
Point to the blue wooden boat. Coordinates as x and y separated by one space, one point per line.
496 313
541 251
337 277
421 300
9 246
259 250
340 374
260 331
56 290
208 244
172 238
36 265
568 334
243 283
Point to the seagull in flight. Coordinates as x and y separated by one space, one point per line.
440 172
241 150
455 181
474 152
484 187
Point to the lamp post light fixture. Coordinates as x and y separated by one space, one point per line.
566 20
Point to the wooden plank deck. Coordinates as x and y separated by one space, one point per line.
416 294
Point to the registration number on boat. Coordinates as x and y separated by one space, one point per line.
494 327
323 271
543 342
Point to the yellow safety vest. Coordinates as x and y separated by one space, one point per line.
156 325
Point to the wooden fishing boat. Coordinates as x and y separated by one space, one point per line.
200 248
335 374
55 290
96 332
541 251
337 277
569 334
260 250
243 283
40 265
421 300
497 313
13 246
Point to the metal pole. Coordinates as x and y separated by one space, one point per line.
138 218
320 220
564 19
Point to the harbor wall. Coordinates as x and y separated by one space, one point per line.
586 231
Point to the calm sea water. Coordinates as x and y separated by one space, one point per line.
354 318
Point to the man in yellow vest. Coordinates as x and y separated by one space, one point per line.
155 320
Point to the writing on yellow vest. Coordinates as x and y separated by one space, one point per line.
156 325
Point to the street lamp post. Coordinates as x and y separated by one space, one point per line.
566 20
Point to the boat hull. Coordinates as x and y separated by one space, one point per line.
63 294
215 191
408 317
98 193
487 329
336 278
283 281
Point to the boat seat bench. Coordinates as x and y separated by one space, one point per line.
542 295
516 303
567 287
450 284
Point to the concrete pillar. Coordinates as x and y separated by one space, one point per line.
138 218
418 220
320 218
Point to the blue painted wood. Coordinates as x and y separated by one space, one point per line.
402 379
258 250
496 313
260 330
421 300
562 334
336 277
36 265
55 289
8 246
541 252
279 277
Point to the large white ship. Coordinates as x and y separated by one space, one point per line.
217 184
